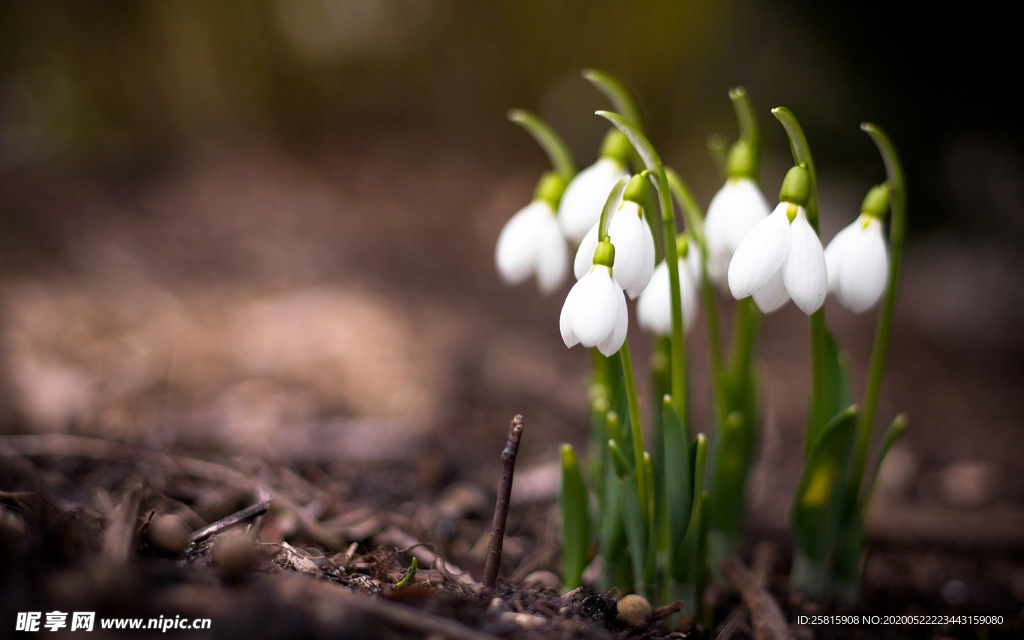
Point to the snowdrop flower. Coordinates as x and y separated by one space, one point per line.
594 313
632 237
587 192
858 257
735 209
781 257
531 244
654 309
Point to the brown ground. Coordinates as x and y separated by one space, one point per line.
333 327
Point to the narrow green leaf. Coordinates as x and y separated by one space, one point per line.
620 96
622 467
575 521
838 391
678 475
636 531
558 153
817 506
728 475
889 438
410 575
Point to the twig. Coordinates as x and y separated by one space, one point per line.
399 615
238 517
59 444
508 468
767 618
405 543
762 564
666 610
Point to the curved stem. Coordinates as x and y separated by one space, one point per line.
880 350
633 402
558 153
609 208
819 385
719 149
749 131
619 95
654 165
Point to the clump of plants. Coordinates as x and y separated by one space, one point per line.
660 506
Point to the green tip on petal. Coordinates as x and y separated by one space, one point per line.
796 187
876 203
616 147
550 188
638 190
741 161
604 255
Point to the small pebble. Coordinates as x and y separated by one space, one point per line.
168 534
633 610
233 552
955 592
541 580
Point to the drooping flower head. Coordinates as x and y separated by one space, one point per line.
594 313
632 237
531 244
781 257
735 209
654 309
586 194
858 256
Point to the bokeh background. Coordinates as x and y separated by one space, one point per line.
267 227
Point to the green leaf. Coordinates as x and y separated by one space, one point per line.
678 475
558 153
622 467
838 392
620 96
685 563
410 575
633 521
731 459
889 438
817 506
575 521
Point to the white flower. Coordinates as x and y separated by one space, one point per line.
734 210
594 313
858 264
634 249
782 255
531 244
654 309
585 196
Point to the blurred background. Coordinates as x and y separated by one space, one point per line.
267 227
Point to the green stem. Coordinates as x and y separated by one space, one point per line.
619 95
695 222
819 385
558 153
744 331
749 131
718 148
609 208
634 428
653 163
880 350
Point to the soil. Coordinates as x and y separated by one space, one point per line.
357 361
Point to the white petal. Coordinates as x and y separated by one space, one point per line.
565 319
733 212
760 254
617 337
585 196
834 252
516 252
552 256
804 271
585 253
595 309
654 308
864 268
772 296
634 249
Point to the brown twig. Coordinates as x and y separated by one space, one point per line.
238 517
762 563
508 468
765 614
